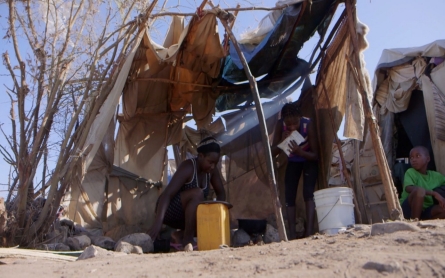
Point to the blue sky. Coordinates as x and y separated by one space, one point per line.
392 24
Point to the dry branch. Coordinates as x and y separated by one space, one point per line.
263 128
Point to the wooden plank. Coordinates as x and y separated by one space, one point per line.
38 254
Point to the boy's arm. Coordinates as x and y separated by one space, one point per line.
409 181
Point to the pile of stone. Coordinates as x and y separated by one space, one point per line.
66 236
240 238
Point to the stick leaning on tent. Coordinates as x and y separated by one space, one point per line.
225 17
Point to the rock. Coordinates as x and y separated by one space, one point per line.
58 235
137 250
68 223
54 247
140 239
73 243
240 238
127 248
271 234
188 248
64 231
80 231
120 231
93 252
61 247
395 215
103 242
124 247
84 241
390 268
392 227
78 243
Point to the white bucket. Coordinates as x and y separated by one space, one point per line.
335 209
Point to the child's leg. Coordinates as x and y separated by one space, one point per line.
309 180
190 200
291 179
437 212
415 200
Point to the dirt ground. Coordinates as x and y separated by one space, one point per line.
354 253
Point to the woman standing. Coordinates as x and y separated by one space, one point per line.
302 158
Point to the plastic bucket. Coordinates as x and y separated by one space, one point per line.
335 209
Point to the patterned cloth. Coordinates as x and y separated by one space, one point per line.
175 216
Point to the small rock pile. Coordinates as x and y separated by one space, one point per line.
65 236
241 238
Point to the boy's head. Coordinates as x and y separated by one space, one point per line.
419 157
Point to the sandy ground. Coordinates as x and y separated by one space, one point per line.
353 254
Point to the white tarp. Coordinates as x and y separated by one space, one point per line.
398 56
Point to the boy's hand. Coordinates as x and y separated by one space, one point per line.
439 199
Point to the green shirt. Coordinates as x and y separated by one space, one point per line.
431 180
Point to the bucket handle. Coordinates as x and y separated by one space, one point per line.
341 200
319 222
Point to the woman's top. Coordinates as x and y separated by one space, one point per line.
194 182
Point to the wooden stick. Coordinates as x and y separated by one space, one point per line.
203 4
357 179
235 14
163 80
394 209
264 134
237 9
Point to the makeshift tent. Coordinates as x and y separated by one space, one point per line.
191 73
409 94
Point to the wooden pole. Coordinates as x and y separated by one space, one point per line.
394 209
264 134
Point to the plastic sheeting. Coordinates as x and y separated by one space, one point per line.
141 144
394 92
332 76
398 56
286 32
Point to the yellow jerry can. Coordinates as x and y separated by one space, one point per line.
213 225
